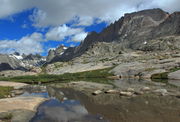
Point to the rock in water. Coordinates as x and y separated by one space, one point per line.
145 89
126 93
97 92
113 91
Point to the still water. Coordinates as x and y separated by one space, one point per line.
68 105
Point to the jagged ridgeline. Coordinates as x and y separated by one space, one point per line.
20 62
147 30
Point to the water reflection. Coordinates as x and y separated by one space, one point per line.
67 111
63 107
68 105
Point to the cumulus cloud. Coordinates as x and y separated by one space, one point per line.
58 12
79 37
28 44
61 32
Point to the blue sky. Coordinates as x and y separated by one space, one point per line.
19 25
37 26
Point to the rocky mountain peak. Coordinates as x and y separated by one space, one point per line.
131 31
53 52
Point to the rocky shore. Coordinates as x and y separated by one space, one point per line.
15 108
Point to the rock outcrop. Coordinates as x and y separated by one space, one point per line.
55 52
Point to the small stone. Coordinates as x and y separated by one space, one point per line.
112 91
126 93
145 89
161 91
130 90
13 95
138 92
146 102
101 118
65 98
97 92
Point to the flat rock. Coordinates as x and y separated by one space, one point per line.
126 93
161 91
130 90
113 91
23 103
174 75
174 82
12 84
145 89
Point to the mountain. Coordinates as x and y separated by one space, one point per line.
20 62
147 30
55 52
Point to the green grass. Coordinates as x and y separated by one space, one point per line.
175 69
5 91
6 117
99 76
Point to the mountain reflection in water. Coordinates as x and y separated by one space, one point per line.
68 105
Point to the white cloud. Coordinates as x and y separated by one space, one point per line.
58 12
61 32
28 44
79 37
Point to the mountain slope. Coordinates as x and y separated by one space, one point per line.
20 62
133 31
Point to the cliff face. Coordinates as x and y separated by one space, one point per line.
133 31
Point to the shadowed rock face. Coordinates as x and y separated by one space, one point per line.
58 51
130 31
8 63
5 66
20 62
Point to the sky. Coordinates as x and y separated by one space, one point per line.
36 26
